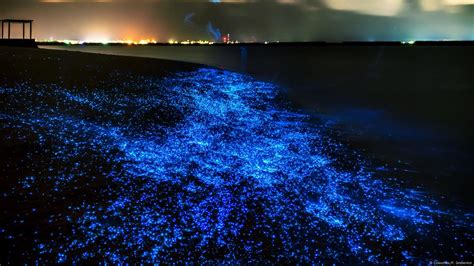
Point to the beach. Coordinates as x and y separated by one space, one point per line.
409 105
110 158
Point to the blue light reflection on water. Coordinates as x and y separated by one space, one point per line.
207 164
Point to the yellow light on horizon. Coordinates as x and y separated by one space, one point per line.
130 41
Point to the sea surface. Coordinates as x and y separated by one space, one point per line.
410 106
282 155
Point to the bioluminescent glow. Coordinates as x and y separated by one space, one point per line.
204 166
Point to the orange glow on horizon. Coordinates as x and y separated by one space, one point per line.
104 41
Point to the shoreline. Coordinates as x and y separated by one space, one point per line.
376 132
123 159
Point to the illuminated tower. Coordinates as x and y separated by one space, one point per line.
226 38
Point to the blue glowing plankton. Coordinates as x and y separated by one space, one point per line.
202 166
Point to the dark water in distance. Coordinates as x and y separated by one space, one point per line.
405 106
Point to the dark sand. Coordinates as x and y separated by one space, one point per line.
122 159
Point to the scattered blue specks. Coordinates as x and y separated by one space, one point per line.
201 166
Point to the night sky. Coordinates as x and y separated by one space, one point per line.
282 20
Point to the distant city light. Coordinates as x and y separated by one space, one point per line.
225 41
75 42
409 42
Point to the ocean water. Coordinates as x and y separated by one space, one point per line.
296 156
405 106
202 166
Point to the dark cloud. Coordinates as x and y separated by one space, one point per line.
284 20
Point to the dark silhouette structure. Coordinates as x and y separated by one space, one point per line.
18 21
6 39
